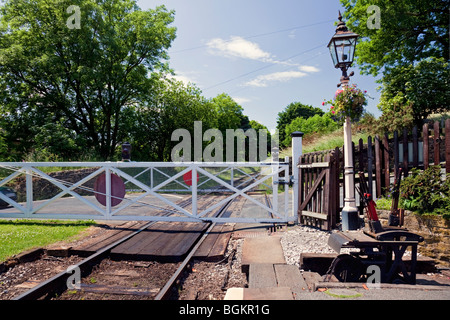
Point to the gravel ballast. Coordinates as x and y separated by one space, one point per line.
301 239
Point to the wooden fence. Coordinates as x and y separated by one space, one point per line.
321 173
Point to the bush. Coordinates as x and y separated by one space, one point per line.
426 192
383 203
315 124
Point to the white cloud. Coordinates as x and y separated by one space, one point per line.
262 81
186 77
241 100
308 69
238 47
182 78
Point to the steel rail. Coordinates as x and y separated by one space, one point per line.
57 283
165 292
273 228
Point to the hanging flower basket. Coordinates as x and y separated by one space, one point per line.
347 102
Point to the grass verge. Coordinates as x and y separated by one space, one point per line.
322 142
20 235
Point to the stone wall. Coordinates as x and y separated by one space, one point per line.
434 229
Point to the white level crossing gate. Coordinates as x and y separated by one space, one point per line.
151 191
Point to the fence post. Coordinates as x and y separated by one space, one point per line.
387 177
275 177
370 164
296 154
29 191
194 190
436 144
405 152
415 148
337 188
286 189
377 166
232 177
426 159
108 193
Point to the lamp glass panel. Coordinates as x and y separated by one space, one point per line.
333 53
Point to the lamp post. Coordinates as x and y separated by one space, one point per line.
342 49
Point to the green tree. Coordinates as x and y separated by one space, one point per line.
258 126
229 113
54 137
291 112
173 105
409 32
410 49
86 76
4 152
397 114
421 89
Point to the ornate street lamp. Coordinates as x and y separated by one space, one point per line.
342 49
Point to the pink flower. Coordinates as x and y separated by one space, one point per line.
332 107
323 103
332 112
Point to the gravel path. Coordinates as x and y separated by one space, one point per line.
298 239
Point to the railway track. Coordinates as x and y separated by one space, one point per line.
134 279
274 226
130 279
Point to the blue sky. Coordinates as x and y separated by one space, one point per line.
264 53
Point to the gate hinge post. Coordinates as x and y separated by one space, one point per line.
296 154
